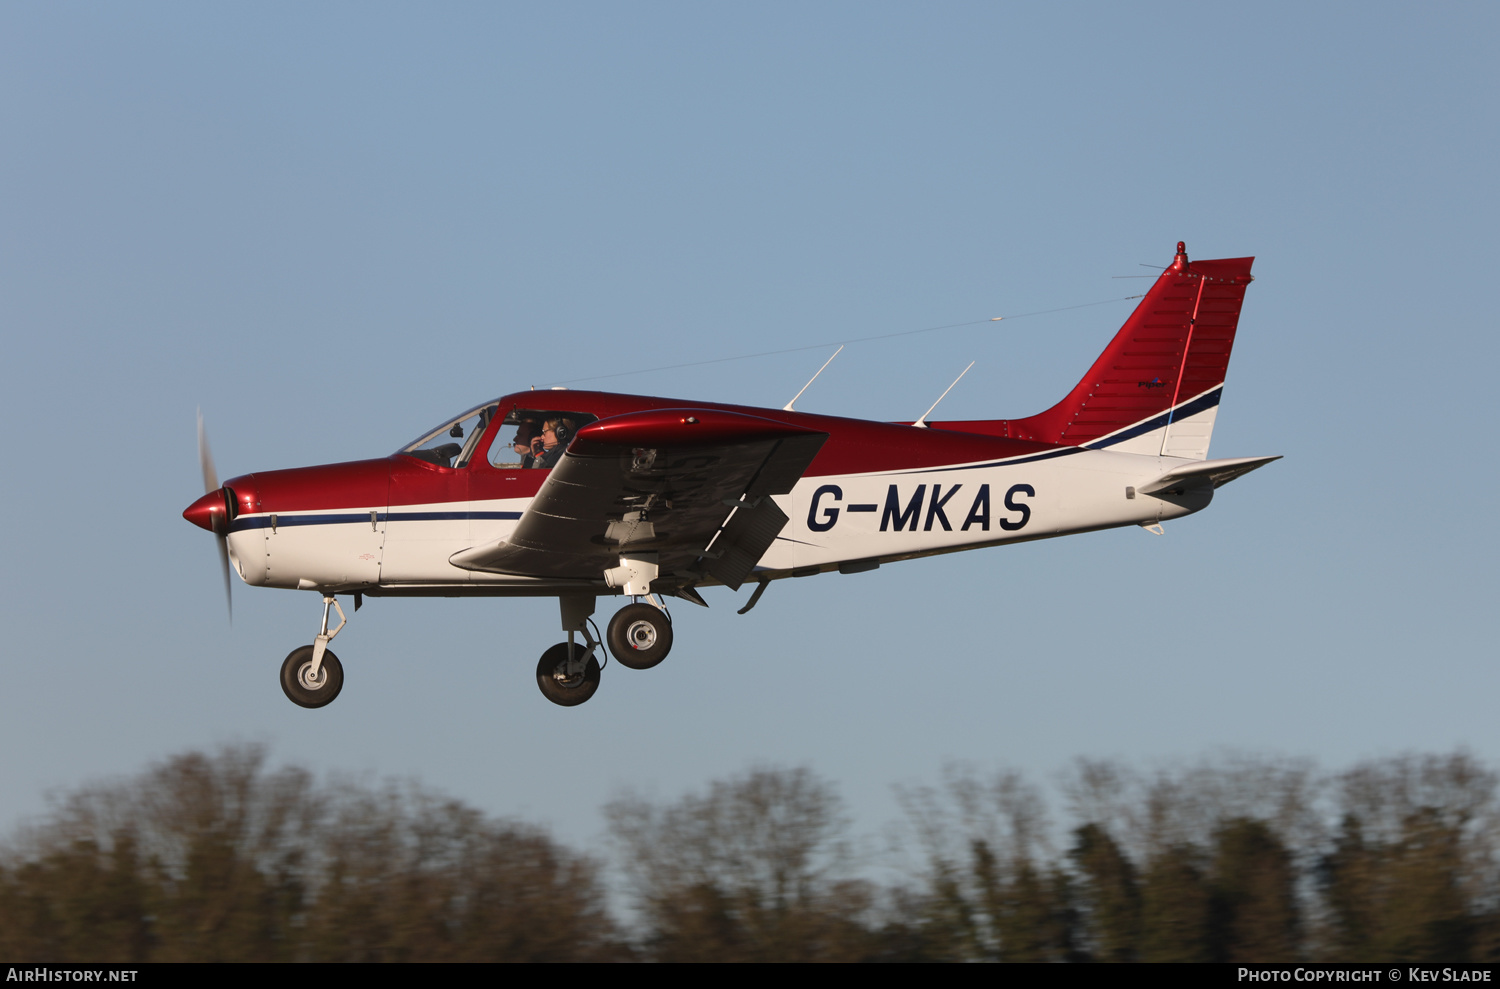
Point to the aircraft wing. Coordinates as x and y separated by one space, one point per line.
1215 472
690 485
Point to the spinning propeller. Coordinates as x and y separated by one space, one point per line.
214 510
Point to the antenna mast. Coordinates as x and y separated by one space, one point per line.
788 406
922 422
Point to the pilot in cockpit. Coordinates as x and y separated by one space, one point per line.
527 442
554 440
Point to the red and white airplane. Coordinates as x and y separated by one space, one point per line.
646 497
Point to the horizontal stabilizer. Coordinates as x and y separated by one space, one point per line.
1214 472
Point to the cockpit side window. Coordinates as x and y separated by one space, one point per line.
453 443
534 438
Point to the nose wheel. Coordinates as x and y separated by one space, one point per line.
309 687
312 676
639 636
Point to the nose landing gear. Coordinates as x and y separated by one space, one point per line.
312 676
308 688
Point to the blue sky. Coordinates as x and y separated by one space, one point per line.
331 225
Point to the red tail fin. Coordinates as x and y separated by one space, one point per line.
1161 373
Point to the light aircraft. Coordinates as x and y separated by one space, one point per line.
651 497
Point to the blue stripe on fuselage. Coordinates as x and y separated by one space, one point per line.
1202 403
264 521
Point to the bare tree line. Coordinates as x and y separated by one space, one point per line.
217 857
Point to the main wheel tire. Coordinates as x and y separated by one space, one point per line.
298 685
640 636
556 685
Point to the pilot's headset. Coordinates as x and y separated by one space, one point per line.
563 430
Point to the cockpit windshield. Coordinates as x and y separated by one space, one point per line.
453 443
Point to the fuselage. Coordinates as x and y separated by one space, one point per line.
581 494
875 493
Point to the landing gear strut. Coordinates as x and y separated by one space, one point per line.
640 635
568 673
312 676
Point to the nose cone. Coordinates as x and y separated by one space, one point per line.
209 512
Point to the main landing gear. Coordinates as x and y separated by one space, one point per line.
312 676
568 674
640 636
